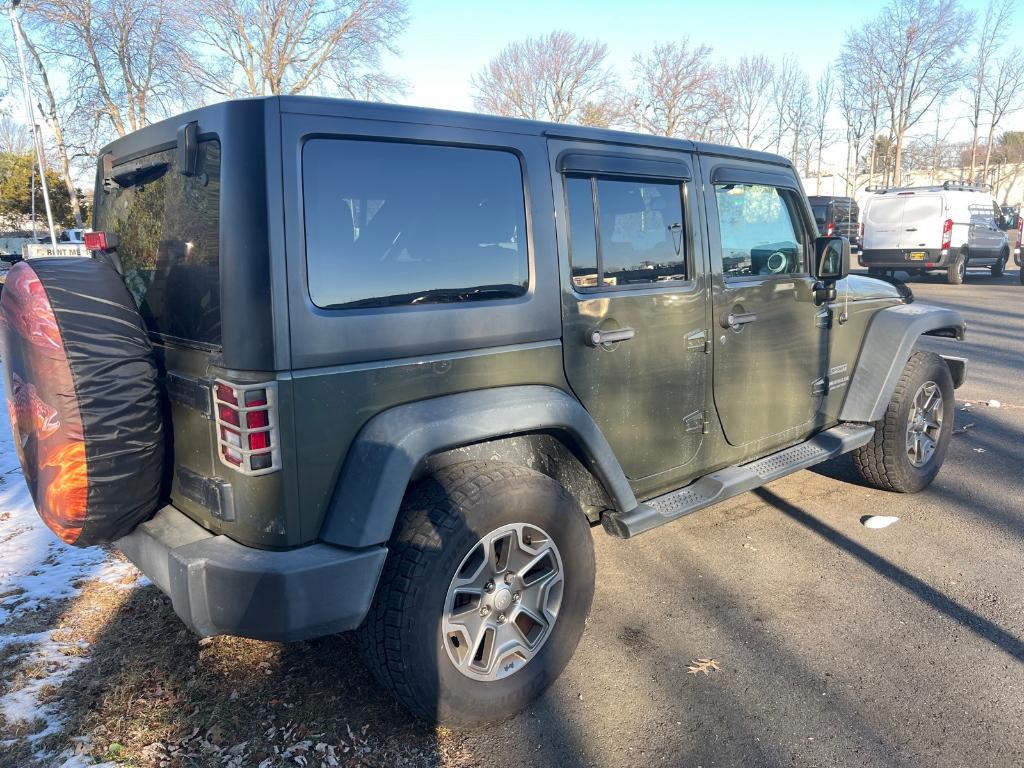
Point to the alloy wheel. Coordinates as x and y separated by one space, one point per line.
503 602
924 424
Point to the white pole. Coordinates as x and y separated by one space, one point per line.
32 116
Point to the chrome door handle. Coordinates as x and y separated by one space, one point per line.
599 338
736 320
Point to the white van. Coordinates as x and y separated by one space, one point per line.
947 227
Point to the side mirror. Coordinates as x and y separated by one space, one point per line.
831 258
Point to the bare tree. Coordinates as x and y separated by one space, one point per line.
558 77
824 93
49 106
263 47
800 121
914 49
789 84
1003 93
991 35
854 108
676 90
124 59
15 137
749 120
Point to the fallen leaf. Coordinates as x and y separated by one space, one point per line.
702 665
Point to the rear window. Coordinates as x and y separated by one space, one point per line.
398 224
820 215
168 229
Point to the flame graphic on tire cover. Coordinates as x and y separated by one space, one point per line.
43 405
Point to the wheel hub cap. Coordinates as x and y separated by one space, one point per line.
503 602
925 424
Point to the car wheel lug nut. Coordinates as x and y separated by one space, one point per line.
510 577
516 596
485 610
501 618
489 587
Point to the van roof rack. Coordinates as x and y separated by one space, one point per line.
962 186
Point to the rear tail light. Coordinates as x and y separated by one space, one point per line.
1020 226
247 437
947 234
100 241
830 229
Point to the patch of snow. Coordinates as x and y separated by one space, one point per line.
36 567
57 661
80 761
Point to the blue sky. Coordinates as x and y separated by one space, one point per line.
448 40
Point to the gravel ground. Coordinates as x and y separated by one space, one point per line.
837 645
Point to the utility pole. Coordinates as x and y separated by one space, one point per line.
31 115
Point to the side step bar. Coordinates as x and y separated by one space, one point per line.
732 481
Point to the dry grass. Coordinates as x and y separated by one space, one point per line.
149 693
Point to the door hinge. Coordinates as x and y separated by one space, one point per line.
697 340
696 422
823 319
189 391
819 386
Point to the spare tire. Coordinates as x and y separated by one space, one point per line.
82 397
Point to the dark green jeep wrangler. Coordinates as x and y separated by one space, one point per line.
406 360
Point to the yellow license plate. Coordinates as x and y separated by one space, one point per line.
918 255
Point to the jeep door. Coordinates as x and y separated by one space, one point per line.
770 340
633 298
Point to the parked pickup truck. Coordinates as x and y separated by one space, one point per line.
345 366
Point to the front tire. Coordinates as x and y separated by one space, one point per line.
484 594
911 439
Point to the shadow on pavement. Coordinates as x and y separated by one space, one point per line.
976 623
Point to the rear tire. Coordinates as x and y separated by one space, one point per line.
437 639
1000 266
957 272
905 453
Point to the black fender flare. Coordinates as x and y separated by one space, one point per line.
885 350
391 445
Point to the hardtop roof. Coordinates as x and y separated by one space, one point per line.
162 132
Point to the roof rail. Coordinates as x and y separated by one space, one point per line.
964 186
973 186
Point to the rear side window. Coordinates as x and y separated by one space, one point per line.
393 224
639 234
168 229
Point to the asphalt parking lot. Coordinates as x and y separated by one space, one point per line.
837 644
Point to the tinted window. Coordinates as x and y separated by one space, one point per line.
168 229
583 238
641 232
760 230
397 224
820 215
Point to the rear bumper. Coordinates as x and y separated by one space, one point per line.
899 258
220 587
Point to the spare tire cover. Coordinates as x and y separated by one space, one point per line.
82 397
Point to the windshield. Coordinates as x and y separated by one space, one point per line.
168 229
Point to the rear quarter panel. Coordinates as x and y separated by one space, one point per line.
350 364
